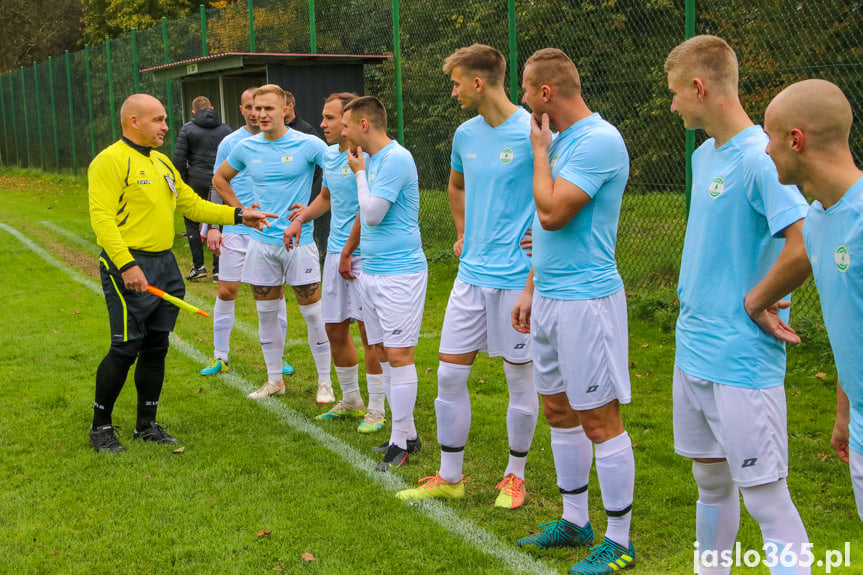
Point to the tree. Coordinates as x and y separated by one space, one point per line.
32 30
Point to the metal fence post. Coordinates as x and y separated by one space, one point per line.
135 60
513 53
5 129
38 117
251 25
12 117
313 36
110 89
71 114
53 113
90 103
170 103
26 121
690 134
204 50
397 54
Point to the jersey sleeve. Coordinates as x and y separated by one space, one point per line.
222 152
780 205
236 157
392 177
594 162
106 178
319 151
455 161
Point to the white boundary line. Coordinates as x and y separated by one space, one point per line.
471 533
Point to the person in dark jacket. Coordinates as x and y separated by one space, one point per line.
322 224
194 156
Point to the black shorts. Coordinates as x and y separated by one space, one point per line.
132 315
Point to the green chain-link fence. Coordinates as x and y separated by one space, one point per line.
56 115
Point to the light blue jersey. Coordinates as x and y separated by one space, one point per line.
242 182
497 164
733 236
282 172
344 205
393 247
577 262
834 243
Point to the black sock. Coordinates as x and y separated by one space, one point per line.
149 376
110 378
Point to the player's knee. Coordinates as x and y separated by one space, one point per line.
155 345
559 414
519 378
714 478
125 352
312 312
452 379
338 333
768 503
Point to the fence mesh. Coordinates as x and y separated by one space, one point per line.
619 48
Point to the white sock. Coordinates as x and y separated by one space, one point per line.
771 507
319 344
403 397
573 457
615 469
349 381
272 338
717 515
521 415
223 323
375 385
452 408
385 368
283 318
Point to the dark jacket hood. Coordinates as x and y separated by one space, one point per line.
206 118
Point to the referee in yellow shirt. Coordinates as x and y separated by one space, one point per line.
134 191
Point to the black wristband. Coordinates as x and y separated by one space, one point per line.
129 265
238 216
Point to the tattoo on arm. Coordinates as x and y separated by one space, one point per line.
306 291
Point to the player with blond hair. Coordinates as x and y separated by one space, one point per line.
742 254
491 197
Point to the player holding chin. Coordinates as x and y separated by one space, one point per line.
341 296
395 272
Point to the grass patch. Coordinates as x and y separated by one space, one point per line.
247 469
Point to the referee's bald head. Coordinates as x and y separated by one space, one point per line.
143 119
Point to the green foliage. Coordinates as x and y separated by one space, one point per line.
114 18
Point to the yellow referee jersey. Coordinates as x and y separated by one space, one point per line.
133 198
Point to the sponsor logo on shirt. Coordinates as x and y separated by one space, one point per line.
717 186
506 156
287 158
842 258
144 182
470 155
346 171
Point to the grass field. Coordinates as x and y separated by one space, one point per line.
260 485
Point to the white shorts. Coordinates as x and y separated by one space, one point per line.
233 257
747 427
856 460
581 347
269 265
393 308
478 319
341 298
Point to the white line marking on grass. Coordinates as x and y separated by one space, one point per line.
471 533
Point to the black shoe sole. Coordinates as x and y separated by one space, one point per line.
414 446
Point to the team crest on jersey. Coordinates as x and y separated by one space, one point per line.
371 177
717 186
506 156
553 162
287 159
346 171
842 258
